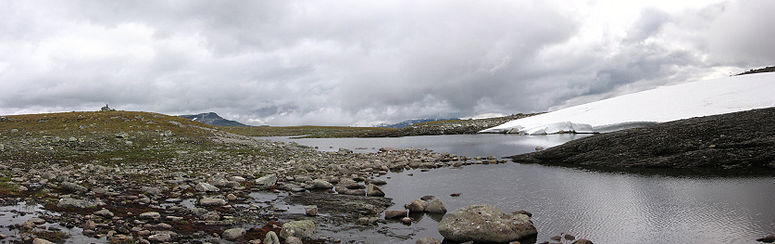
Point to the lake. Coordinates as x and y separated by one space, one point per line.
604 207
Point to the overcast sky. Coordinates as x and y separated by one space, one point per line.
365 62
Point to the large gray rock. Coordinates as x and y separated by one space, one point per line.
374 191
304 229
319 184
204 186
206 201
435 206
485 223
75 203
271 238
417 206
267 180
233 233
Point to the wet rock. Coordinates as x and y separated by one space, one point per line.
556 238
152 190
767 239
435 206
267 180
319 184
374 191
233 233
367 220
582 241
392 214
428 240
206 201
89 225
271 238
406 220
68 186
485 223
41 241
150 215
304 229
352 192
569 237
427 197
293 240
311 210
455 194
75 203
204 186
417 206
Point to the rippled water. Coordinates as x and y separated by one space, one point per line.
603 207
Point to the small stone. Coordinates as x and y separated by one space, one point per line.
392 214
37 221
374 191
207 187
455 194
406 220
267 180
104 213
582 241
161 237
231 197
367 221
556 238
301 229
569 237
206 201
150 215
428 240
319 184
233 233
311 210
417 206
435 206
89 225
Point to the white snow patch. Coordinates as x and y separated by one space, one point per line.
485 116
662 104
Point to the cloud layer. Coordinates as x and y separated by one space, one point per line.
364 62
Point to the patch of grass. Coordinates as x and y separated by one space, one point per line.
7 188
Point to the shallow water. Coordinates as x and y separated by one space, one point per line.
600 206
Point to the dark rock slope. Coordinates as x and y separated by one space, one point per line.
736 140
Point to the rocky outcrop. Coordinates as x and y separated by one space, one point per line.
485 223
742 140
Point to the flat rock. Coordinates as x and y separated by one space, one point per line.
304 229
206 201
393 214
485 223
267 180
233 233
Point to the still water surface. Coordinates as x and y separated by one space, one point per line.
601 206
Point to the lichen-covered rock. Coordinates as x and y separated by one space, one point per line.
485 223
303 229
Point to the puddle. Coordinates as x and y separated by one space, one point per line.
21 212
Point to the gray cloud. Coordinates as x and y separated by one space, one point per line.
342 62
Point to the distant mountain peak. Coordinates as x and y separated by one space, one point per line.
211 118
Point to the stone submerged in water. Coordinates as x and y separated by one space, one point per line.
428 240
767 239
485 223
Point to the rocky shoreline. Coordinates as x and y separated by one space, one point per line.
742 141
135 177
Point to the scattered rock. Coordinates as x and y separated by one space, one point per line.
304 229
582 241
485 223
393 214
767 239
293 240
428 240
231 197
73 187
41 241
319 184
455 194
206 201
271 238
569 237
267 180
204 186
406 220
556 238
150 215
160 237
104 213
75 203
233 233
374 191
417 206
435 206
311 210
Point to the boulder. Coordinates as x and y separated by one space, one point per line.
485 223
417 206
435 206
233 233
206 201
267 180
428 240
304 229
393 214
75 203
374 191
271 238
204 186
319 184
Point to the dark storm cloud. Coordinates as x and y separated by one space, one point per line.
360 62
